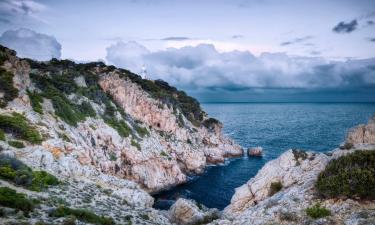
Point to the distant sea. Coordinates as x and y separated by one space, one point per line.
276 127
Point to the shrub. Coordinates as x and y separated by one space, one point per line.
135 144
82 214
112 156
162 153
36 99
16 144
299 154
42 179
20 174
121 127
10 198
142 131
275 187
10 92
2 135
18 125
351 176
317 211
87 109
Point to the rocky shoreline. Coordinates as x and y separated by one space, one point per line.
111 139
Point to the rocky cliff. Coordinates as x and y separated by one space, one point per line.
98 127
286 190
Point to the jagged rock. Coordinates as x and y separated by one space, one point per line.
257 151
186 212
362 133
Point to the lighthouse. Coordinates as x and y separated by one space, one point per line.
144 72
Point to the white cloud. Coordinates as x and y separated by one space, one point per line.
203 66
30 44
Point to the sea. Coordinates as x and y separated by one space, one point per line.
276 127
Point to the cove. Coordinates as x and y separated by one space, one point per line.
274 126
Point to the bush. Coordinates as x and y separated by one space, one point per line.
82 214
87 109
317 211
350 176
2 135
18 126
16 144
6 87
36 99
42 179
135 144
122 128
142 131
275 187
15 171
10 198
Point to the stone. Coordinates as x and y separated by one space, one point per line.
256 151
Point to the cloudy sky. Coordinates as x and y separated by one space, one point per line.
233 50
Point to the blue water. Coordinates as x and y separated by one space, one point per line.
274 126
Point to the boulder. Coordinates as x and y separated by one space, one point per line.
256 151
186 212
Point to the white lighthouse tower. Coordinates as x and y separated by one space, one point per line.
144 72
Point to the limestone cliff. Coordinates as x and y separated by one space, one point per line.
284 189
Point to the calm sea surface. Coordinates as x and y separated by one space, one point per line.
274 126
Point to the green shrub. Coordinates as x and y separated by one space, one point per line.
15 171
2 135
142 131
317 211
6 87
275 187
112 156
135 144
82 215
350 176
18 125
10 198
87 109
299 154
120 126
36 99
162 153
42 179
16 144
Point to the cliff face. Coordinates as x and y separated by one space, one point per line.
284 189
112 121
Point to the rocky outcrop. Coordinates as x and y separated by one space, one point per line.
186 212
257 151
364 133
284 188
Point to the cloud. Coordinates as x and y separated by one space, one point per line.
19 11
370 23
175 39
371 39
237 36
343 27
204 67
297 40
31 44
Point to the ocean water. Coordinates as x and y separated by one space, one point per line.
276 127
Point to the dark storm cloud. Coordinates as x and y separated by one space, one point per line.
370 22
175 39
19 11
296 40
204 67
343 27
371 39
31 44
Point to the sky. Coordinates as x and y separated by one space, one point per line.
222 50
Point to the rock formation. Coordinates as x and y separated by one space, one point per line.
361 134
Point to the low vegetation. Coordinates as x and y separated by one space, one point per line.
15 171
82 215
16 144
19 127
7 88
2 135
135 144
317 211
275 187
351 176
10 198
346 146
36 99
